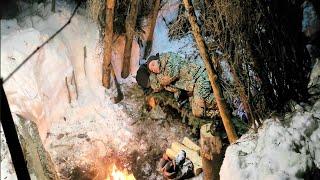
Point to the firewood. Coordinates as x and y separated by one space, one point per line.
171 153
190 144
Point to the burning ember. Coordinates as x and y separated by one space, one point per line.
118 175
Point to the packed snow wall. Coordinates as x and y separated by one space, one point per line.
38 91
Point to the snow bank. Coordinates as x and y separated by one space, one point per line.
161 40
282 149
38 91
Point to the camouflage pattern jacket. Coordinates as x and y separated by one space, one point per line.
177 73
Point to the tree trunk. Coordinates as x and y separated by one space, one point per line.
153 21
106 69
130 29
224 113
211 153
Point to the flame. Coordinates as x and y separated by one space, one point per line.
118 175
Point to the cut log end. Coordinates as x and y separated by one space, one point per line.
211 152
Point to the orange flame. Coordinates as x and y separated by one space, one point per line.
118 175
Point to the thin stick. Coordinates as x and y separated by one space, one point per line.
75 83
84 60
69 96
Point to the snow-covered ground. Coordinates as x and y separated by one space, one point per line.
38 91
282 149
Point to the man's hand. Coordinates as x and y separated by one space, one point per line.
171 89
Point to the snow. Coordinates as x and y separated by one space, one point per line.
38 90
282 149
161 41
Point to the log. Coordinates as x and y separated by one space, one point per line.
197 169
106 67
152 26
171 153
130 29
190 144
212 74
211 153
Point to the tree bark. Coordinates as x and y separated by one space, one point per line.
211 153
153 21
224 113
106 69
130 29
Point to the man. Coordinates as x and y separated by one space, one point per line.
171 72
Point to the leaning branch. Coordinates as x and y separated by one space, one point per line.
224 113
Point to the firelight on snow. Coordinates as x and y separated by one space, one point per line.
119 175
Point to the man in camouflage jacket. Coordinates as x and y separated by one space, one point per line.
171 72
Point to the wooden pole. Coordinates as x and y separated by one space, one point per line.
152 26
106 68
130 29
211 153
224 113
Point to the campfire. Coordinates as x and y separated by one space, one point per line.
119 175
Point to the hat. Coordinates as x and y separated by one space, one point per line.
143 76
151 58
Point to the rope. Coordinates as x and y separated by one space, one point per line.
39 47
